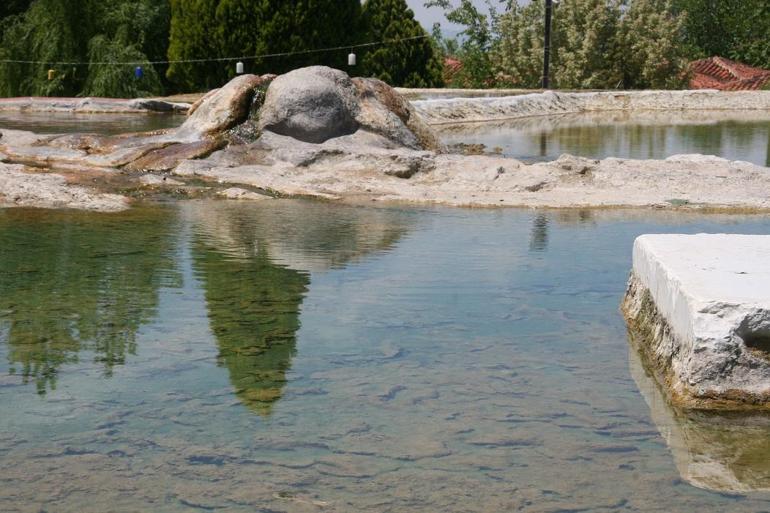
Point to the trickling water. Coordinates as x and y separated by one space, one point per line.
299 356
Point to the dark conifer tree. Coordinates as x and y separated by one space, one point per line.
414 63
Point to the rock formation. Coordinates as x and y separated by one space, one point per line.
318 132
698 307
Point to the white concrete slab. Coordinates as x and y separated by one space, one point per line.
712 292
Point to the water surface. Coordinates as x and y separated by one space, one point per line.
298 356
102 124
734 136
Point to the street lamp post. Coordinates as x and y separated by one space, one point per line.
547 45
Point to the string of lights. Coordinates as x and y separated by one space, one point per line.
219 59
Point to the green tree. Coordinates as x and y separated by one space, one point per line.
652 55
51 32
211 29
194 34
517 55
477 38
737 29
13 7
585 37
597 44
131 31
413 63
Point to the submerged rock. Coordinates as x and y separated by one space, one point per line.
700 308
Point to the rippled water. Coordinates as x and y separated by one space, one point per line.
734 136
297 356
102 124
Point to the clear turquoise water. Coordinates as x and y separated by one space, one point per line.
298 356
625 135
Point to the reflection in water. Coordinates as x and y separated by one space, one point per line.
538 240
102 124
253 309
735 136
253 261
722 452
78 282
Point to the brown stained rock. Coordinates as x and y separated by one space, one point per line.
387 113
167 158
201 100
223 108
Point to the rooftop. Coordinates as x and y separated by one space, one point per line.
726 75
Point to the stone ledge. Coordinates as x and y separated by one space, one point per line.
699 308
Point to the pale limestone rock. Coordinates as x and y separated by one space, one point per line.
22 189
701 307
156 180
464 110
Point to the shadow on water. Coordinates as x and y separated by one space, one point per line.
254 262
724 452
75 282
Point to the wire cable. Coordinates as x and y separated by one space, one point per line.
219 59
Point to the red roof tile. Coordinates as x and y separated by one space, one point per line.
726 75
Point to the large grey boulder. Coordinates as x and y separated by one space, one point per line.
311 104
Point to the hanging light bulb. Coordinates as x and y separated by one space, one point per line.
351 59
139 72
239 68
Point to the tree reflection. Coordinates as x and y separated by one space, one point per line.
74 282
538 239
253 308
254 263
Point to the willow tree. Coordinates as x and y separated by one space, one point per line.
80 32
411 62
49 31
